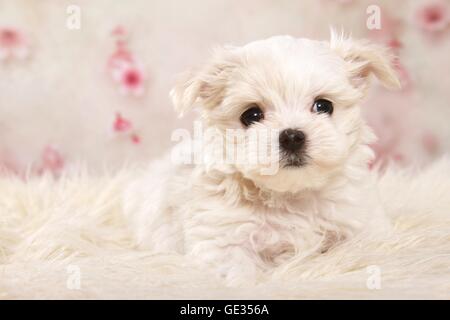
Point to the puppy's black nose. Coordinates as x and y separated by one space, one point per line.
292 140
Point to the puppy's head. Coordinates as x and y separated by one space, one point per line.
303 94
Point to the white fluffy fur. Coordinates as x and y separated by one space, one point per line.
48 225
237 219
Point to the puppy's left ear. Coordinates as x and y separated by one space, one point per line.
365 59
206 85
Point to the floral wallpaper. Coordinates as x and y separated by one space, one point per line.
96 91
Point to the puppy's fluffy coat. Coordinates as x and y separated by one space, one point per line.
238 220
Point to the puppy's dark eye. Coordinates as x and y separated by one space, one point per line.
322 106
251 115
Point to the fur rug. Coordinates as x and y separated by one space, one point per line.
54 230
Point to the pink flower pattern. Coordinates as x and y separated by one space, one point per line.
124 127
121 124
130 77
124 68
51 161
433 17
13 44
128 73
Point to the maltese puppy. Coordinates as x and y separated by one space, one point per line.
296 183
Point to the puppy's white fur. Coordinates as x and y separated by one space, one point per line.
238 220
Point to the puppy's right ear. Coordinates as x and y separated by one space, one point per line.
207 85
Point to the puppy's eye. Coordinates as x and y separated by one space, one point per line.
322 106
251 115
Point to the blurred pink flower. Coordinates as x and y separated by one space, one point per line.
51 161
119 31
131 79
119 57
124 128
124 68
395 44
434 16
12 44
121 124
135 138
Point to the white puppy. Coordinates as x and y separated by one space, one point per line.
242 217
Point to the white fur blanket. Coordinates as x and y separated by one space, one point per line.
66 238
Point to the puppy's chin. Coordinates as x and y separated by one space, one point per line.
291 178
